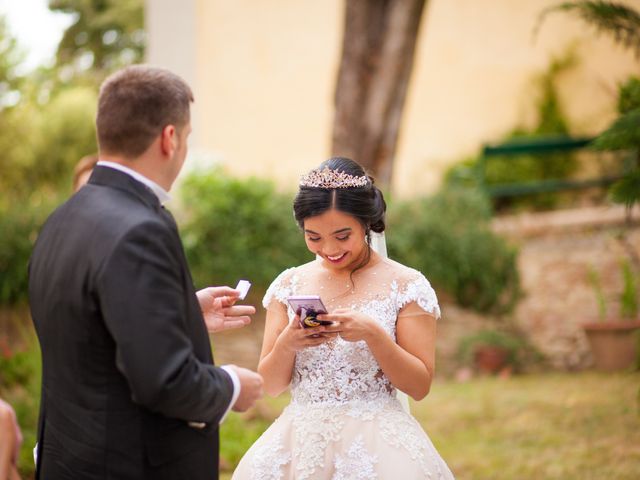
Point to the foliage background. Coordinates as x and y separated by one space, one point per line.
244 228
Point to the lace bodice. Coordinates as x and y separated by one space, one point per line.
341 372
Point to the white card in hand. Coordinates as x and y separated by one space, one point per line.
243 287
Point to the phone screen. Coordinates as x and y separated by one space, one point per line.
309 306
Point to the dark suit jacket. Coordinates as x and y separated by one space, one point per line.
126 356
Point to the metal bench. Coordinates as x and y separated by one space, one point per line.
536 146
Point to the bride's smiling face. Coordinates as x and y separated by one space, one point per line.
337 237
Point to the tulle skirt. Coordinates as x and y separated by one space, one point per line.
356 440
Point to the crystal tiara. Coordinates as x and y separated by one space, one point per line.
327 178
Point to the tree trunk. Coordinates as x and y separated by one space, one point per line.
377 59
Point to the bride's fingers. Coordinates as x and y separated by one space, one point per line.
334 328
330 333
315 341
335 317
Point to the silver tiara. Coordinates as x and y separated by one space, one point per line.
327 178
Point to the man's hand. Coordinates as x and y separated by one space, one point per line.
250 388
219 311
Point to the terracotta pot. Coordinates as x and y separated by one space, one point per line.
614 344
490 359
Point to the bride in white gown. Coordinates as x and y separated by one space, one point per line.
344 420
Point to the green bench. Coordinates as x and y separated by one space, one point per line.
537 146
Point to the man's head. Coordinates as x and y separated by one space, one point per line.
135 105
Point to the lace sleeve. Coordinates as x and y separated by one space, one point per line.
280 289
419 290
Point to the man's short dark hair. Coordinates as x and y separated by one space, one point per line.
135 104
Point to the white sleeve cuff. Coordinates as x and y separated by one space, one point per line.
236 389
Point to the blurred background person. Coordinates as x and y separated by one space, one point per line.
10 441
82 171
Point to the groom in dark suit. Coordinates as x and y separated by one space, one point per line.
129 389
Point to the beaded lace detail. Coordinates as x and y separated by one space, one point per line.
341 380
338 371
356 464
268 461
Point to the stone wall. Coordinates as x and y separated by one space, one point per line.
557 250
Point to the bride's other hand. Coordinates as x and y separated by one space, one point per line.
219 309
295 338
352 326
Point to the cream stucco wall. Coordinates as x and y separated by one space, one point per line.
263 74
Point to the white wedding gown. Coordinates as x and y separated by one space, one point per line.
344 421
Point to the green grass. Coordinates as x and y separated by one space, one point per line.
564 426
555 426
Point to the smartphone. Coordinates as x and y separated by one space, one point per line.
309 307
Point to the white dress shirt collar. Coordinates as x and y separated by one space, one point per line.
161 193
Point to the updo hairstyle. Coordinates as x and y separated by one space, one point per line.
366 203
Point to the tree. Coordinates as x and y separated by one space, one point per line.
107 34
377 59
14 127
606 17
41 136
10 57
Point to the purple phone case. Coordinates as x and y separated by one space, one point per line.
308 306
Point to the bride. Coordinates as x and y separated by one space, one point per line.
344 420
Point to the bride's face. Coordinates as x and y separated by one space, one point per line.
337 237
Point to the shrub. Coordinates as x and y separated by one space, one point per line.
20 221
42 143
69 121
623 135
448 238
238 228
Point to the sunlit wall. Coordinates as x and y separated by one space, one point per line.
263 74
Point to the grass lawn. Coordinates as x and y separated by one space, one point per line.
554 426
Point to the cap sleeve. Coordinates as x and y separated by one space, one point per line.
419 290
280 289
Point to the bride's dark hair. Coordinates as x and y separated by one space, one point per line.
366 203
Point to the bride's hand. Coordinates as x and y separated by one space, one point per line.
352 326
295 338
219 311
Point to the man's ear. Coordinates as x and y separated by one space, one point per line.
169 140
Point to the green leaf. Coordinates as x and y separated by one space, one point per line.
611 18
627 190
623 134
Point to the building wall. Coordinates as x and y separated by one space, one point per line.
263 75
